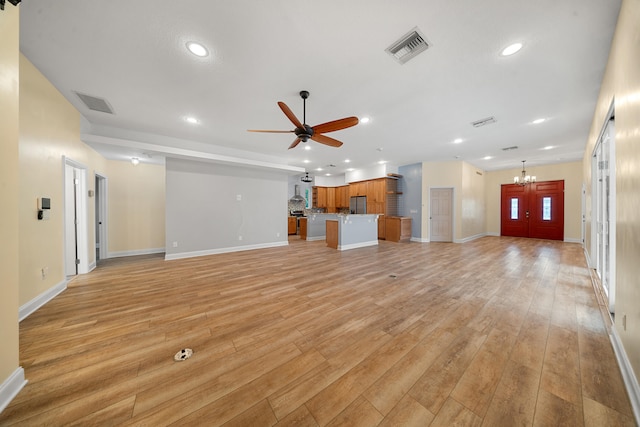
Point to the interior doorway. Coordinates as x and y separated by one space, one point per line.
75 218
101 217
441 217
533 210
604 210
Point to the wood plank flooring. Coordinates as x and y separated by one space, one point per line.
494 332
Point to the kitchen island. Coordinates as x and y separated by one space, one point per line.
352 231
313 226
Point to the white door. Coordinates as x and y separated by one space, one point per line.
76 250
604 211
441 203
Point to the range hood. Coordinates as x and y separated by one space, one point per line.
297 197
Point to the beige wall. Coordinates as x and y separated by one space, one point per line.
571 173
622 83
473 209
9 133
469 198
136 207
49 131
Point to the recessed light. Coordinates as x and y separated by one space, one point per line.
457 140
307 161
538 121
487 158
197 49
347 161
350 169
319 169
327 174
382 162
511 49
307 147
365 120
192 120
548 147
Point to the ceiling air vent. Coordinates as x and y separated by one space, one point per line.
408 46
95 103
515 147
483 122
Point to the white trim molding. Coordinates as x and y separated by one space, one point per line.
470 238
11 387
193 254
313 239
630 380
573 240
419 240
120 254
357 245
30 307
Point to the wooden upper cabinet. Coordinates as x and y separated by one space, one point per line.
342 196
320 197
379 190
331 199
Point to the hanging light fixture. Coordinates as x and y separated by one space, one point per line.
306 178
524 179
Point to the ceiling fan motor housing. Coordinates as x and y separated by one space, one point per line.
304 133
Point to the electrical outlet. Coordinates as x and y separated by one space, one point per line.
239 197
277 234
45 271
239 237
175 244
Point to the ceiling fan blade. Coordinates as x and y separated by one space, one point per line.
323 139
269 131
295 143
335 125
287 112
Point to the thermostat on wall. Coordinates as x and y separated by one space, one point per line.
44 206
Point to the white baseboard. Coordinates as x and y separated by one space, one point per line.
169 257
572 240
357 245
492 234
120 254
470 238
629 377
312 239
92 266
29 308
11 387
419 240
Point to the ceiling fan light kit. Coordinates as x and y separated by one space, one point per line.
304 132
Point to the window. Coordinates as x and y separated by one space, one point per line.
514 208
546 208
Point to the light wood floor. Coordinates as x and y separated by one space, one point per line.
494 332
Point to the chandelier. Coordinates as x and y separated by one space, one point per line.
524 179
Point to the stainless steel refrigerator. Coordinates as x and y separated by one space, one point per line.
358 205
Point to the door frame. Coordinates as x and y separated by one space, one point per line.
608 130
102 234
453 212
80 215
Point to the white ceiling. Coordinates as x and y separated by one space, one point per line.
132 53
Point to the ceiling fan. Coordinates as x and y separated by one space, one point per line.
304 132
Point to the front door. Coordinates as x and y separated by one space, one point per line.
533 210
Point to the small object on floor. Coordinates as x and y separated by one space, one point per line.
183 354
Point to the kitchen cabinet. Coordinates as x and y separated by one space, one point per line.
342 196
398 228
319 197
292 225
382 227
303 228
331 199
